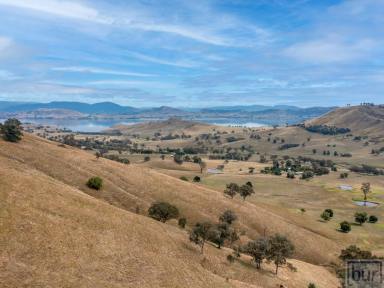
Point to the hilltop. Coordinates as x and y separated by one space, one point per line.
55 231
360 119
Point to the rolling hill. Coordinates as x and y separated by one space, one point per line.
54 231
362 120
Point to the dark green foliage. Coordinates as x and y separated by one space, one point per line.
163 211
184 178
354 252
228 217
366 169
325 216
280 248
361 217
232 189
182 222
196 179
147 158
245 191
343 175
327 130
11 130
311 285
345 227
307 174
258 250
288 146
373 219
178 158
329 211
95 183
290 175
200 233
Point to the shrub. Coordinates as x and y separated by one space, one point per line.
361 217
230 258
95 183
330 211
228 217
147 158
183 178
163 211
311 285
307 174
182 222
345 226
373 219
343 175
196 179
290 175
325 216
11 130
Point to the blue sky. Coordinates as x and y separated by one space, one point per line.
193 53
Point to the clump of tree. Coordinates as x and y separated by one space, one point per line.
95 183
163 211
288 146
366 169
11 130
327 130
200 234
275 249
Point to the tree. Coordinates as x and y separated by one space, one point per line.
258 250
361 217
219 233
280 248
311 285
373 219
95 183
196 179
366 189
354 252
200 233
245 191
182 222
228 217
202 165
249 183
345 226
163 211
251 170
325 216
232 189
329 211
11 130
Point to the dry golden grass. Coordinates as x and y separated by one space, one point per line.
52 234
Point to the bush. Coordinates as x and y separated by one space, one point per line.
325 216
307 174
345 226
361 217
182 222
311 285
11 130
373 219
290 175
196 179
147 158
184 178
163 211
95 183
329 211
343 175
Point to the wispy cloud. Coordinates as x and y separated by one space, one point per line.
177 63
95 70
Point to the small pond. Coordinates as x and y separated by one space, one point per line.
367 203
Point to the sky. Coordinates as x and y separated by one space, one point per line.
196 53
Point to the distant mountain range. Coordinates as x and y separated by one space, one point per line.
279 114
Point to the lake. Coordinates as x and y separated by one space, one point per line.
97 125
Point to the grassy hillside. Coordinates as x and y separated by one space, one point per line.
56 232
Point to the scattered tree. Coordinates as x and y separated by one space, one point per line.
325 216
196 179
258 250
202 165
163 211
373 219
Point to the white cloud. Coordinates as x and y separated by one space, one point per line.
95 70
59 8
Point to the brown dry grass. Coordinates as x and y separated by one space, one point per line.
54 235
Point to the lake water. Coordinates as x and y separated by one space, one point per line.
94 125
